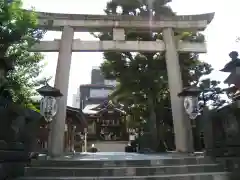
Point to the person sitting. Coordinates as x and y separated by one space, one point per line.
93 149
129 148
134 145
102 134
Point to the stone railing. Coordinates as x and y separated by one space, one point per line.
13 159
222 131
18 129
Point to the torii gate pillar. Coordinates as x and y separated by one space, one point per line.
182 124
57 129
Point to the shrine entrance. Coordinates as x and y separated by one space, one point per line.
119 26
106 122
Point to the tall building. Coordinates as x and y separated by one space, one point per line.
76 99
96 76
94 94
98 91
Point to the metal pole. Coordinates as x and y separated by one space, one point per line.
85 142
82 104
85 139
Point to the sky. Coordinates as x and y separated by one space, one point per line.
220 35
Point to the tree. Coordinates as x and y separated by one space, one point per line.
211 94
18 32
142 77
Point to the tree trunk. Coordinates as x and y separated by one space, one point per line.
162 146
152 125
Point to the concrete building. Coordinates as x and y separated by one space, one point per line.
96 76
96 92
76 99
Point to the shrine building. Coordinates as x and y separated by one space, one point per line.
106 122
75 124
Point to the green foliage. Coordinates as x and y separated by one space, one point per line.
211 93
142 77
144 74
18 31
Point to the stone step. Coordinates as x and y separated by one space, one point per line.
120 171
121 163
193 176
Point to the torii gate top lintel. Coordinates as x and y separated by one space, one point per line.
98 23
197 17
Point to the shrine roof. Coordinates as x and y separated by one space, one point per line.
114 109
78 114
103 107
107 104
97 85
89 109
69 108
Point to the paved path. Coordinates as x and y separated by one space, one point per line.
110 146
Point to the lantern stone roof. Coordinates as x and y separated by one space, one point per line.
233 78
190 91
48 90
235 62
233 67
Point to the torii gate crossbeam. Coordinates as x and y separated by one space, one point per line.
124 46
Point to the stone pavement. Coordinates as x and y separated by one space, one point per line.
109 146
120 156
120 165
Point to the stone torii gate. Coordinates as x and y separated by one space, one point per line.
70 23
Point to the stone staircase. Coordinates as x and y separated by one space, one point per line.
175 168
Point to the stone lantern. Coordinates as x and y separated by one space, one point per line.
48 105
233 67
236 98
191 106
